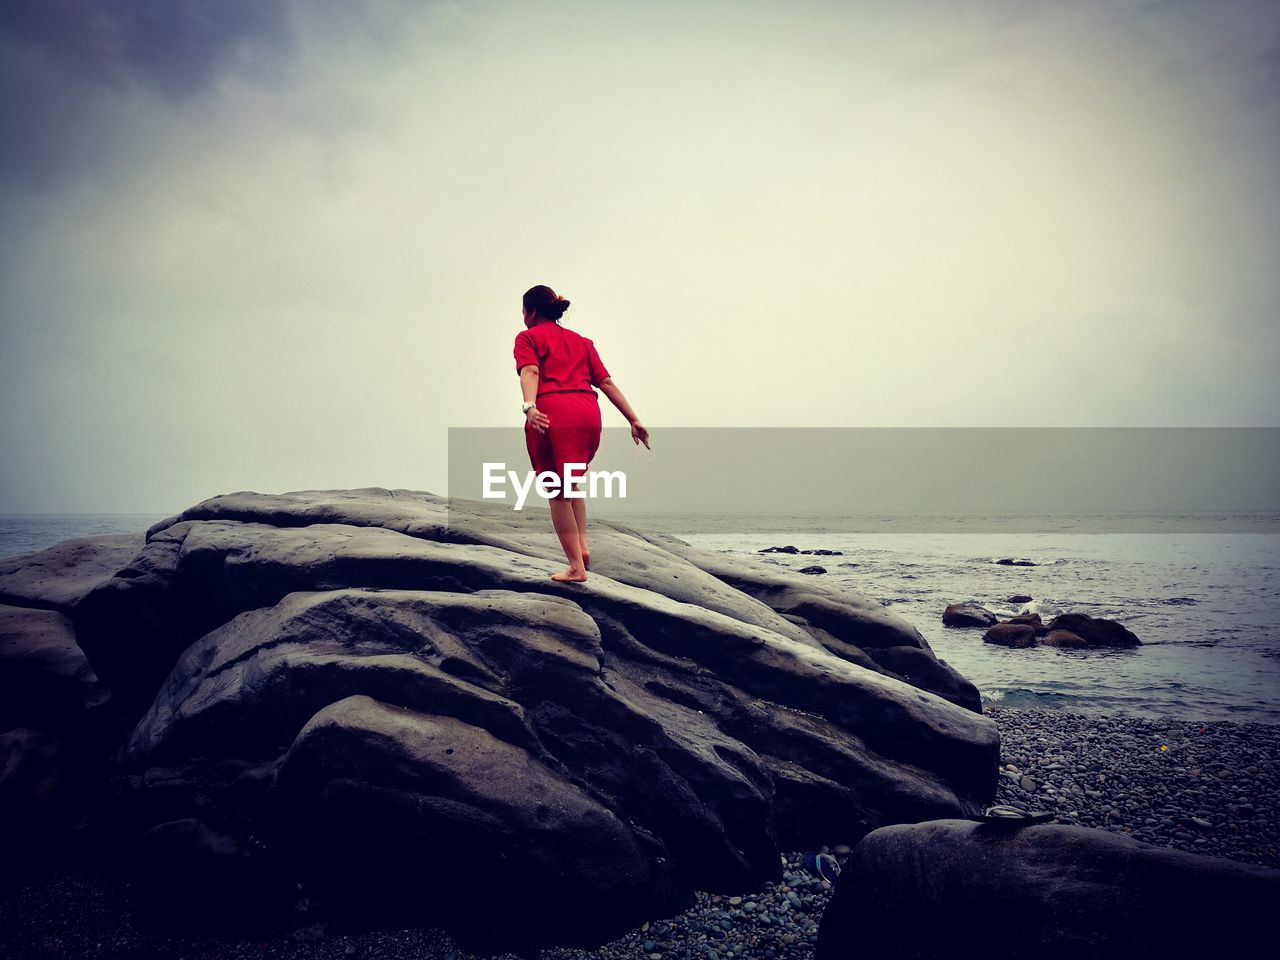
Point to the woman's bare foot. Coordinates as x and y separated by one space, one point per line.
586 559
570 576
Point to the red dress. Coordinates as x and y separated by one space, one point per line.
568 368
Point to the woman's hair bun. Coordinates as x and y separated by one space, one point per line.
558 307
545 301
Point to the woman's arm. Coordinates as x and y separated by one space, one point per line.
529 390
639 434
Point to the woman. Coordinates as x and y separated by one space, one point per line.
558 369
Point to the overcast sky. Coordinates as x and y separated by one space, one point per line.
273 246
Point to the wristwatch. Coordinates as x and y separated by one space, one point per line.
526 407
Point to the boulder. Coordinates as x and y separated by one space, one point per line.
58 577
428 811
1014 562
45 679
1011 635
59 728
968 614
1063 638
372 677
1096 631
1031 620
955 888
841 620
815 569
1020 598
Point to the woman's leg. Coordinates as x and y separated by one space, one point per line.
562 518
580 516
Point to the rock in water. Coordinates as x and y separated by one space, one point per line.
951 888
1011 635
1095 631
1031 620
1063 638
968 614
387 691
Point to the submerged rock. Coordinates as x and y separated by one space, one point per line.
1063 638
1068 630
1011 635
387 693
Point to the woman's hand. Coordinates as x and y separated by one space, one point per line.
539 420
640 434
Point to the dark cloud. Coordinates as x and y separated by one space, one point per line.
174 46
62 60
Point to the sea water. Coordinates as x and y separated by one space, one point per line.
1205 604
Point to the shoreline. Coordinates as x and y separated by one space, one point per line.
1214 790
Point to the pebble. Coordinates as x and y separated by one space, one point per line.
1214 788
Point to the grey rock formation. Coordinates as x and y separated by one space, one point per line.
56 721
45 678
385 694
57 578
955 888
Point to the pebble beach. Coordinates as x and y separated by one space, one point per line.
1204 787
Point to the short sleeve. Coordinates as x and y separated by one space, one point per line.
524 352
595 366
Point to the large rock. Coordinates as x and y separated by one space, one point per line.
1095 631
45 678
1031 620
58 577
851 626
1011 635
55 729
430 811
373 677
968 614
1063 638
955 888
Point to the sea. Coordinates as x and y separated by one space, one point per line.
1201 593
